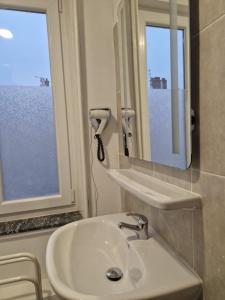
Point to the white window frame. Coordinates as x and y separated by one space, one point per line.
65 135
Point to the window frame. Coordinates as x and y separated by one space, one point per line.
66 196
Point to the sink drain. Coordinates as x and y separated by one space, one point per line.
114 274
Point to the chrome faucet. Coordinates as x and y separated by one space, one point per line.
141 228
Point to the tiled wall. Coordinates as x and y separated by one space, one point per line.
200 236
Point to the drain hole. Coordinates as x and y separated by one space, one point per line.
114 274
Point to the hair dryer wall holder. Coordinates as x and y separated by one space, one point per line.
99 118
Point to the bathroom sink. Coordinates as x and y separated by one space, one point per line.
80 254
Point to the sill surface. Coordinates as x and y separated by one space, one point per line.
153 191
38 223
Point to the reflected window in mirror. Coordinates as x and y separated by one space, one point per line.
159 86
153 46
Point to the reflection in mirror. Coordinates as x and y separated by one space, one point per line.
154 71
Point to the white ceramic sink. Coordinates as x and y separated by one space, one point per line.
80 253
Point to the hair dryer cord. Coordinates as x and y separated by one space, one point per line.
100 149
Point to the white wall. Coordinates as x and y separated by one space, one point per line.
33 242
100 91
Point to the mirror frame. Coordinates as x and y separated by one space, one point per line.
127 72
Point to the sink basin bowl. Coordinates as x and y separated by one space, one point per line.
80 253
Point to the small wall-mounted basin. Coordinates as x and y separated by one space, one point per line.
80 254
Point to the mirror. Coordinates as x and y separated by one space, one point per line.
153 58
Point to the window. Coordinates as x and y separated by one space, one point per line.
34 150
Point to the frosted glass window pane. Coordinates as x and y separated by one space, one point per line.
27 131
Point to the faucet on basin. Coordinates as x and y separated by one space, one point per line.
141 228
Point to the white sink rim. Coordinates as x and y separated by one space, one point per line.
141 293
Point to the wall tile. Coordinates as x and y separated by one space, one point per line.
174 176
211 108
166 223
212 258
209 11
127 202
205 12
198 242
